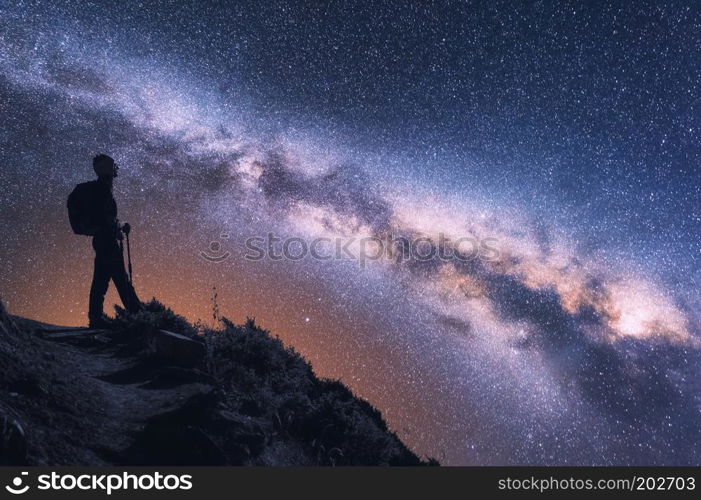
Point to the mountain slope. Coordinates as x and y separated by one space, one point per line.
138 394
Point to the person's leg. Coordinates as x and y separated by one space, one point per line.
100 282
126 291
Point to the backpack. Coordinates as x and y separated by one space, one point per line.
79 209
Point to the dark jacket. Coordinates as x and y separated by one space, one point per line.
103 213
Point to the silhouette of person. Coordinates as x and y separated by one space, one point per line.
109 258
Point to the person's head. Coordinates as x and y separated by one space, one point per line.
104 167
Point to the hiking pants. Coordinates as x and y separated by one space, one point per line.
109 264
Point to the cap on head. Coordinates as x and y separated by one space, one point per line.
104 166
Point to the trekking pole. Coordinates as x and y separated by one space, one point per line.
129 260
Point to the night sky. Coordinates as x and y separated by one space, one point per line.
568 133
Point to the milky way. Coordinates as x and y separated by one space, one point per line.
567 137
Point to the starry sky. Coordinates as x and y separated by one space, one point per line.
568 133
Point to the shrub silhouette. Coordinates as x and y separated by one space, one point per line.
154 316
263 379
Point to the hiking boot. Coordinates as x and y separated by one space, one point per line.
100 323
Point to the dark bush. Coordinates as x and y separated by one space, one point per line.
265 380
154 316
